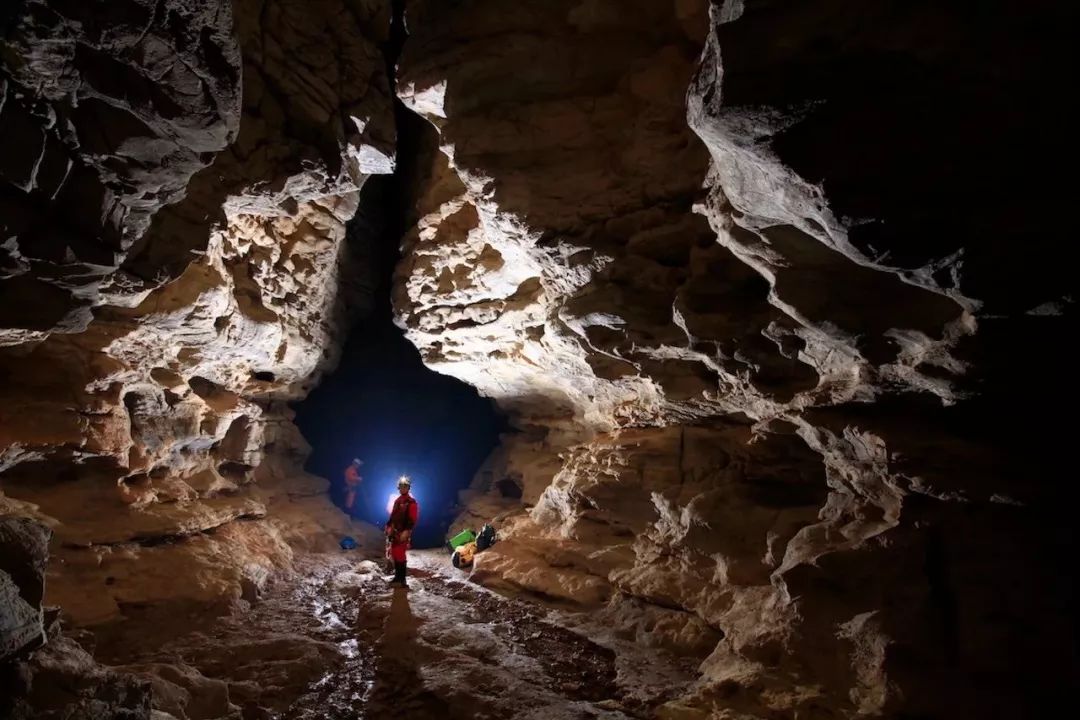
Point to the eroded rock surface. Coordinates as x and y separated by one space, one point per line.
776 359
230 142
59 680
771 292
23 554
107 111
551 188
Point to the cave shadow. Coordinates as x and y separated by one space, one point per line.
397 688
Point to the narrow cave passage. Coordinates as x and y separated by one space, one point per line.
382 404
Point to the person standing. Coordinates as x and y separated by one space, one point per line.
403 516
352 484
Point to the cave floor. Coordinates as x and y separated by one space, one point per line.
336 642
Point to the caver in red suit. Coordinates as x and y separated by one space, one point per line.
352 484
403 517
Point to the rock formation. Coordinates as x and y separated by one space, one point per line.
766 356
62 680
215 152
770 292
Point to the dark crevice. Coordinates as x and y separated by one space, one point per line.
942 596
235 471
165 539
382 404
510 487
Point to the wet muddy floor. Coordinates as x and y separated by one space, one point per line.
338 643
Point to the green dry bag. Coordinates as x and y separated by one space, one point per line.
465 536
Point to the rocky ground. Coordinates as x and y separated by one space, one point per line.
334 641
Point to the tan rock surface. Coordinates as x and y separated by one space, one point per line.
45 675
157 442
775 359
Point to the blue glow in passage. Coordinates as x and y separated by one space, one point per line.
389 489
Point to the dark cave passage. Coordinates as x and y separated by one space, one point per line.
382 404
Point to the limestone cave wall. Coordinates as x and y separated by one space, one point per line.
772 294
178 177
764 289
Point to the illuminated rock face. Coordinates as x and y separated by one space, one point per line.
772 294
216 153
748 279
550 208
